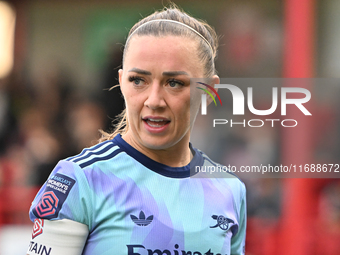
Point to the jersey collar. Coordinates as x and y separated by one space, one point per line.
173 172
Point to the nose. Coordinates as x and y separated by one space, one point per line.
155 97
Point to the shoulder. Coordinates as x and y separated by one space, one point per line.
98 153
71 187
214 168
220 174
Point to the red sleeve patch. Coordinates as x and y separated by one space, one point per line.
38 227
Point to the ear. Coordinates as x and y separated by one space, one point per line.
120 75
214 80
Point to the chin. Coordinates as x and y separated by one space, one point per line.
158 143
157 146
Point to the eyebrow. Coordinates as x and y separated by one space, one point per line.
175 73
170 73
140 71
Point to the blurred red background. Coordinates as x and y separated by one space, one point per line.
67 53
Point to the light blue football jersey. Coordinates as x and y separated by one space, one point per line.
136 206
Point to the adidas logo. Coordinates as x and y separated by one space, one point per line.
141 221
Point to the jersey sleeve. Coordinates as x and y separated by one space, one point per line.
65 195
238 241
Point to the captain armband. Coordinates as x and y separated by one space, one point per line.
57 237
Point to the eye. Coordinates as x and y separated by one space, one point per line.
175 83
136 80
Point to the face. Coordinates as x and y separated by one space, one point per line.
155 83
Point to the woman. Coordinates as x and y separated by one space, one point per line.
133 192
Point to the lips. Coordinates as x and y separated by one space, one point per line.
156 124
156 121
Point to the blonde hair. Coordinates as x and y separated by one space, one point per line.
205 35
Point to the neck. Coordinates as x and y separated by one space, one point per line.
175 156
